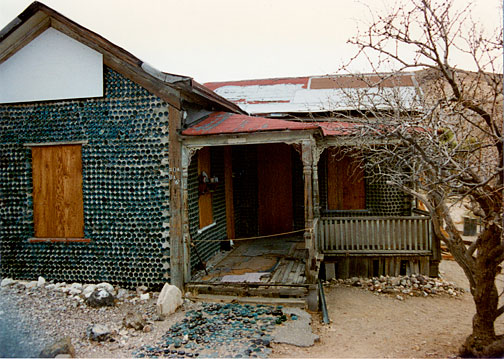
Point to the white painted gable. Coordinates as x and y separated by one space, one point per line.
53 66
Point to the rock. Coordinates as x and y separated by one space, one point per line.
76 286
147 329
100 298
107 286
7 282
57 349
74 291
142 289
399 297
169 300
51 286
144 296
134 320
395 281
88 290
158 317
31 284
98 332
122 293
41 282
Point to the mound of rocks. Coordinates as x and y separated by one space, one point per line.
412 285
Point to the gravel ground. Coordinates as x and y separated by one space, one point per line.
53 311
17 339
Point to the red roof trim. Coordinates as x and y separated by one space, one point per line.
262 82
227 123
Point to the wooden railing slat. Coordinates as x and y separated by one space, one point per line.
394 234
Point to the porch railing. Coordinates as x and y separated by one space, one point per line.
375 235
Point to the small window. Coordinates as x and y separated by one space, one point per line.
345 181
58 210
205 195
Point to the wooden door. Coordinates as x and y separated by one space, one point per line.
345 182
274 166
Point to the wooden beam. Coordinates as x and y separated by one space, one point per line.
118 59
288 137
228 182
176 205
20 37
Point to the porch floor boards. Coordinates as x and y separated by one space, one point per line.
272 261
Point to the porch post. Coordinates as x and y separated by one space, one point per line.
307 158
176 205
186 160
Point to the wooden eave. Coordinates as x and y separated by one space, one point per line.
38 17
249 138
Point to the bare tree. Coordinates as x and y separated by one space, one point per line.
447 142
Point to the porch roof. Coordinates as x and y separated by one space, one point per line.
337 128
228 123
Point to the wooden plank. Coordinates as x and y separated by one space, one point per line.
18 39
278 271
57 192
345 181
289 302
287 272
228 181
176 205
72 197
299 277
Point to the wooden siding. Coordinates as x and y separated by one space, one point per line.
57 192
375 235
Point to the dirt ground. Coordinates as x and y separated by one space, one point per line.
364 324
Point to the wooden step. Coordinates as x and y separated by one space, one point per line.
249 289
287 302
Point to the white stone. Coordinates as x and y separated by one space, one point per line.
144 296
65 289
31 284
41 282
169 300
122 293
74 291
107 286
88 290
7 282
51 286
76 286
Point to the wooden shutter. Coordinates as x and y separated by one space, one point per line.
345 182
205 200
58 210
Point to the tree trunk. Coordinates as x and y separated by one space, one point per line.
483 341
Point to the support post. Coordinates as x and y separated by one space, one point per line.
228 182
307 159
176 205
186 240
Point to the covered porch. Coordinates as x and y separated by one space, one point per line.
259 212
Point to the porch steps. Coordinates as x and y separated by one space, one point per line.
287 302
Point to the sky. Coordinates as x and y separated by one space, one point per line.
218 40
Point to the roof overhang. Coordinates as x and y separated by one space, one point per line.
174 89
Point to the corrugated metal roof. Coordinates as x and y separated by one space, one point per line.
227 123
218 123
319 93
338 128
